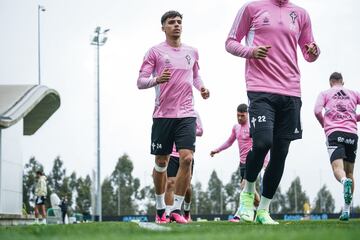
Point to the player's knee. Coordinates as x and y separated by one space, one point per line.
160 166
186 161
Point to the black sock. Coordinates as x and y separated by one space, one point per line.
160 212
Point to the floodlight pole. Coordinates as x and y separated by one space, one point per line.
40 8
98 42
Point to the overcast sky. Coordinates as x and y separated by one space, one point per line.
68 64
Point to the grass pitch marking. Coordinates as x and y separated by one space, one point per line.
153 226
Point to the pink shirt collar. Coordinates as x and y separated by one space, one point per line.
280 2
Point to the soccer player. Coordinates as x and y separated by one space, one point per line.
40 196
340 125
273 30
175 69
241 133
172 171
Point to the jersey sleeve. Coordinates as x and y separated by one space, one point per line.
358 103
239 30
146 70
319 105
306 37
228 142
197 81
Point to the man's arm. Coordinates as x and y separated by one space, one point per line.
358 103
226 144
319 105
239 30
147 69
197 81
309 48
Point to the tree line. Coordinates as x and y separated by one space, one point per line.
122 193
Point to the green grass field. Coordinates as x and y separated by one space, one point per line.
315 230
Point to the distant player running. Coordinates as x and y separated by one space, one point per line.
340 125
241 133
175 70
172 171
273 30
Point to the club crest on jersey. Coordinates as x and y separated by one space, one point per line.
341 107
293 16
188 58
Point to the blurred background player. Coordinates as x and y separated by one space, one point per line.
172 68
340 125
241 133
172 170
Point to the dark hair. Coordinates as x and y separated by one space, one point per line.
39 172
336 76
170 14
242 108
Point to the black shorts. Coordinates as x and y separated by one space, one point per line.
278 113
173 166
242 170
40 200
342 145
167 131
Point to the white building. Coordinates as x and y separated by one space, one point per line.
23 110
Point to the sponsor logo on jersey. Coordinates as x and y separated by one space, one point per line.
340 95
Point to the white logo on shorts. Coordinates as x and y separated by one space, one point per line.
157 146
296 131
253 121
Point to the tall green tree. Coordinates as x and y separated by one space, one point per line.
278 203
202 203
295 197
147 195
108 199
73 181
127 187
83 200
29 180
216 194
232 190
324 201
65 190
57 175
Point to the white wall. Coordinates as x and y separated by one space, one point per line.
11 169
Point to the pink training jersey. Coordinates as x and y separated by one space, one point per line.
242 134
199 133
340 110
174 99
281 25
